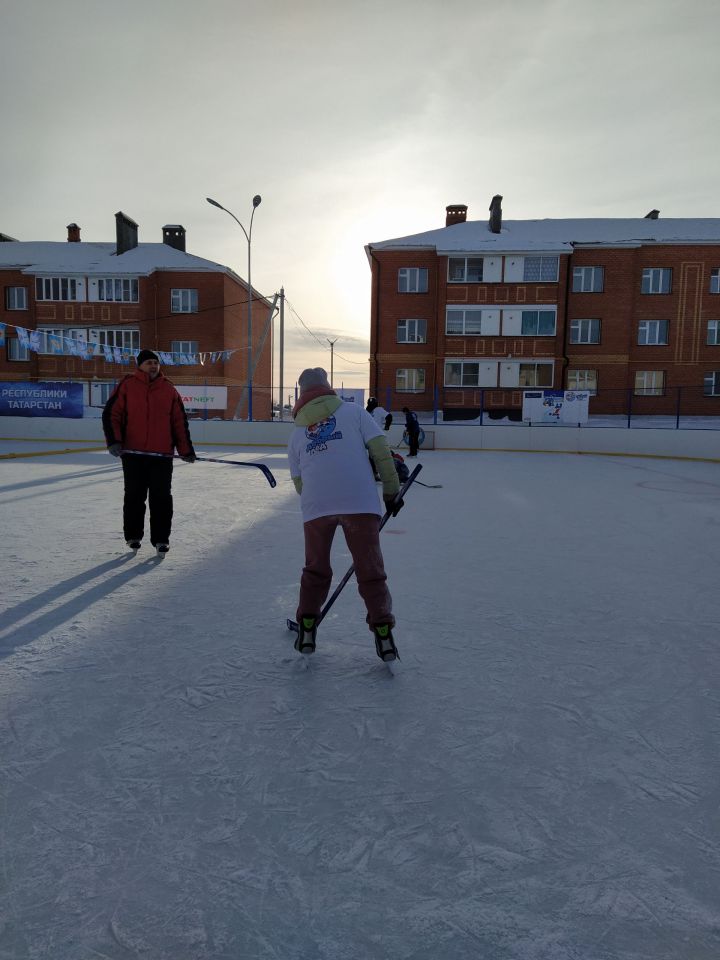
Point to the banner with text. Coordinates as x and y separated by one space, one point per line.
42 399
203 398
555 406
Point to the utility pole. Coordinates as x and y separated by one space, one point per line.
332 356
282 346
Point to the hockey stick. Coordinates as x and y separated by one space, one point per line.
430 486
292 624
233 463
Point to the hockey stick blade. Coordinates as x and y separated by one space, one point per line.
430 486
292 625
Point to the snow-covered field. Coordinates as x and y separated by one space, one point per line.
540 782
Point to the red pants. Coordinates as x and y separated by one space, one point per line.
362 537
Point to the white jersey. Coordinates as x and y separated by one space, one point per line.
332 460
379 415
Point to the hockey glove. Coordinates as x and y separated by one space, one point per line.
394 505
188 458
115 449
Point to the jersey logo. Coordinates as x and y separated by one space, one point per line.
320 433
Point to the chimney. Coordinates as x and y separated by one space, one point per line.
126 231
653 215
73 233
495 222
174 236
455 213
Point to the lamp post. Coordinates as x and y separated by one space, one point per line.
257 200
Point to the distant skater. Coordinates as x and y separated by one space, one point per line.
413 430
379 414
329 465
145 422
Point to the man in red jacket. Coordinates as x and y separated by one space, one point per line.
144 422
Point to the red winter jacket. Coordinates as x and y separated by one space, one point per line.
147 415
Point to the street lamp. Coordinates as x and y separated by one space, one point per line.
257 200
332 356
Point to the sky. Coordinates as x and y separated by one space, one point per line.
356 122
539 781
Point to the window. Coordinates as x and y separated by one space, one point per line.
184 301
649 383
120 290
536 375
125 339
541 268
58 288
51 339
582 380
412 280
412 331
16 298
713 333
584 331
462 374
711 385
538 323
463 320
656 280
409 381
588 279
715 281
185 346
465 269
652 332
15 351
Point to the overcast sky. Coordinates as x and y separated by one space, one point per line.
356 122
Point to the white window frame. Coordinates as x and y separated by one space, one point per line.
470 316
411 331
530 373
16 298
458 269
713 333
183 300
585 330
582 380
650 331
588 279
16 353
126 339
52 331
485 376
100 391
538 311
59 289
654 279
118 290
711 384
548 269
188 347
649 383
715 280
409 380
413 280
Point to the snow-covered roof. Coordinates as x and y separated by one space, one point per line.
556 236
101 259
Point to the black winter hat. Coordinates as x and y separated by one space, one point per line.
147 355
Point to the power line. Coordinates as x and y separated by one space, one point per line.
360 363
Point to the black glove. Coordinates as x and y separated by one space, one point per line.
388 421
394 505
188 457
115 449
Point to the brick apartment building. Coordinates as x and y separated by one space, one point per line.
467 316
130 295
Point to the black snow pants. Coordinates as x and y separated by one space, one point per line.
147 475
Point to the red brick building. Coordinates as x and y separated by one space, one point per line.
467 316
127 296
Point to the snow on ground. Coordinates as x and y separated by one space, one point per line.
540 782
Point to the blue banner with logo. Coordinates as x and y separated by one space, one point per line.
43 399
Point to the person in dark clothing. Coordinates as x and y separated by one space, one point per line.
379 414
144 422
412 428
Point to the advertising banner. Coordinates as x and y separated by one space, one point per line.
42 399
555 406
351 395
203 398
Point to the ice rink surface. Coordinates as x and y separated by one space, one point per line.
541 781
